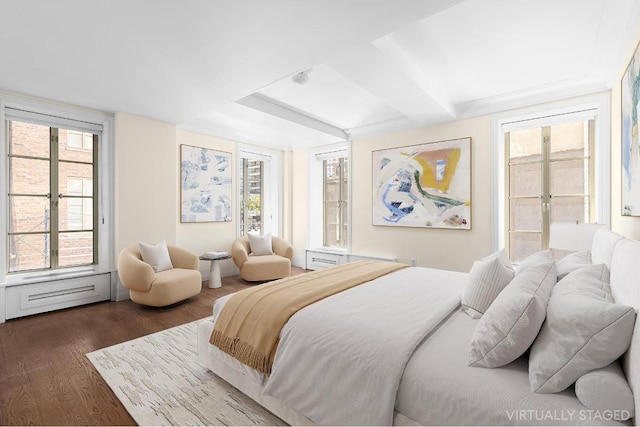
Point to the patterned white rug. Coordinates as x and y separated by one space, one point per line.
159 381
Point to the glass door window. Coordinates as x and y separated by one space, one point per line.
251 196
549 179
335 202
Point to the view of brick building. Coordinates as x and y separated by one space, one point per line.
33 203
567 160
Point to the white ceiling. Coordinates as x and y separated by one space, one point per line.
224 67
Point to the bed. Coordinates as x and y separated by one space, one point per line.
431 382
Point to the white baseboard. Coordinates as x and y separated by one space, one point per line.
121 293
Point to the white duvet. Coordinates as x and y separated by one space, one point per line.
340 360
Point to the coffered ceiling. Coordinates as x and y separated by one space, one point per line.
225 67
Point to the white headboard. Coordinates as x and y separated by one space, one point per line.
625 287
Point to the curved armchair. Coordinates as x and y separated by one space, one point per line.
260 268
164 288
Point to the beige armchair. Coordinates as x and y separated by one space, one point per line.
262 267
164 288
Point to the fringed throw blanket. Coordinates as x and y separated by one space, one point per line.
248 327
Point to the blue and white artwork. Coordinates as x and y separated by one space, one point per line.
205 185
630 138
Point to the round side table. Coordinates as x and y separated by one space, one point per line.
215 281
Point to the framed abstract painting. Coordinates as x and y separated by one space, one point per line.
205 185
630 139
426 185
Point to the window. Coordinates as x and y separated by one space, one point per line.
329 197
335 200
251 190
51 196
259 192
550 172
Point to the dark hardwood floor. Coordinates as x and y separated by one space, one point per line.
45 378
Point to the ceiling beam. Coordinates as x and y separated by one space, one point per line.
271 106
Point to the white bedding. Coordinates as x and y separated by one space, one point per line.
336 375
344 376
438 388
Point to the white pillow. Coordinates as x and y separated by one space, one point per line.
487 277
260 244
584 330
606 389
512 322
572 262
534 259
157 256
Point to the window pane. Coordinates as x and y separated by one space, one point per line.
75 249
28 176
29 252
75 179
526 215
73 145
254 196
569 177
335 202
570 209
28 214
26 139
331 224
521 245
75 214
525 145
525 180
569 140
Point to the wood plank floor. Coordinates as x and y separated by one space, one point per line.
45 378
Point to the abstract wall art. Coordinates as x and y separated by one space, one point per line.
427 185
205 188
630 138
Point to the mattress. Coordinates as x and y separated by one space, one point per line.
438 388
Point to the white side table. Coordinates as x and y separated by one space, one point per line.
215 281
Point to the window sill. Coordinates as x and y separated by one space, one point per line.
43 276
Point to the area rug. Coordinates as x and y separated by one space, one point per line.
159 381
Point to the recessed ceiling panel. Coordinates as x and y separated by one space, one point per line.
485 48
332 98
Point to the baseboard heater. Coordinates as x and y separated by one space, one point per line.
33 298
318 259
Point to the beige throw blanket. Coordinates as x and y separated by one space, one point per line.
248 327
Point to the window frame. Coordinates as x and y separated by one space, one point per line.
55 192
343 193
546 198
271 202
68 117
316 194
595 106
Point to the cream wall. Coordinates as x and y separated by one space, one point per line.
628 226
206 236
446 249
146 177
299 204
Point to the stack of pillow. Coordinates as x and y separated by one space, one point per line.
564 314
